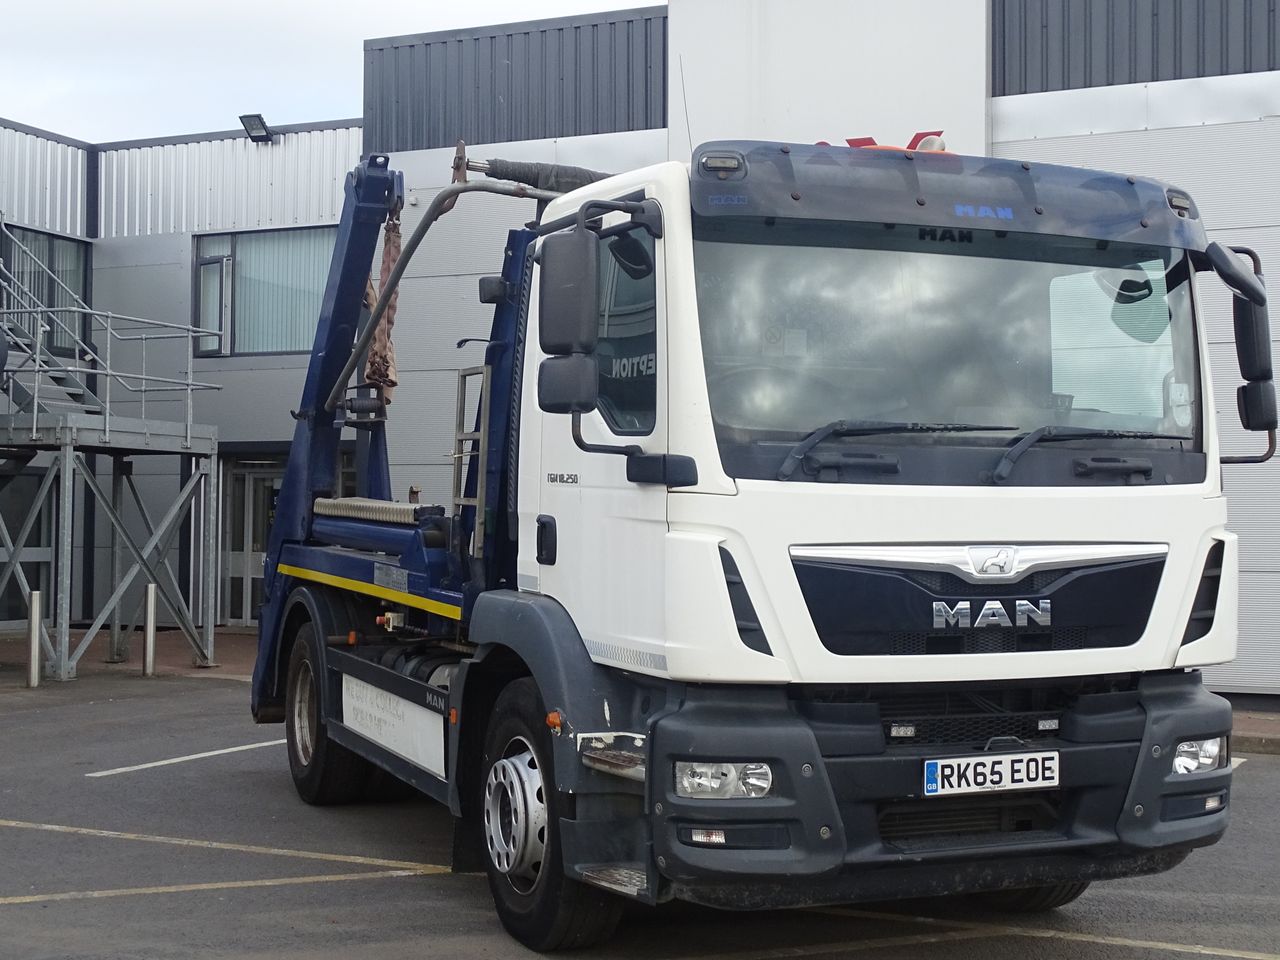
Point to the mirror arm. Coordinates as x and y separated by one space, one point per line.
1263 458
1253 256
626 450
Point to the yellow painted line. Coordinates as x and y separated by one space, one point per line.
425 868
373 590
192 887
999 929
842 947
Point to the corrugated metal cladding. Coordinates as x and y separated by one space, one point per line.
1039 45
229 184
599 73
42 182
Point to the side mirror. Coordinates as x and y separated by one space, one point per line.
568 384
568 298
1253 338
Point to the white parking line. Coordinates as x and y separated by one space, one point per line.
191 756
425 868
193 887
1041 933
1236 761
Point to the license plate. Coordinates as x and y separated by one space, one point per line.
990 773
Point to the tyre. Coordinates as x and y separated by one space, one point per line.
1035 899
323 772
519 826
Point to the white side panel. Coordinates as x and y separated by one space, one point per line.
410 731
42 182
810 70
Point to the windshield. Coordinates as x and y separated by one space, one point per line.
807 322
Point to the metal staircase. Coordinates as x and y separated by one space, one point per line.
74 382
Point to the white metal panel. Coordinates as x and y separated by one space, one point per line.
1136 106
232 184
808 70
42 182
1256 668
1232 169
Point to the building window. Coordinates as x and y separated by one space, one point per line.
52 273
261 291
627 347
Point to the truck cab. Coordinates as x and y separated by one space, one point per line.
855 530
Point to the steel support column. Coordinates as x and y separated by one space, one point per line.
209 587
63 667
118 645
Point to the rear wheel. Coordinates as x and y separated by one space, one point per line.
519 813
1035 899
323 772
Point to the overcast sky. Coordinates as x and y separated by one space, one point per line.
102 70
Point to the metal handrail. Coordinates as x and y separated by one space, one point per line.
26 312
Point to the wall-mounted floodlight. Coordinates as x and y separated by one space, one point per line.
256 127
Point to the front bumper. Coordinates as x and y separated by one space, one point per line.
846 820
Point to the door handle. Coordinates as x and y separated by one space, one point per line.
545 548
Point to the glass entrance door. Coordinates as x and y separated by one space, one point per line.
250 509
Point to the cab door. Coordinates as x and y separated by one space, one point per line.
607 567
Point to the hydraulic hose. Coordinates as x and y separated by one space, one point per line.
442 202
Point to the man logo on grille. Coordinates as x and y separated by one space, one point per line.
993 561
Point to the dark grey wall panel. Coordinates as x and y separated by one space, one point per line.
598 73
1039 45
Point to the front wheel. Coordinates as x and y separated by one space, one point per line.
519 813
1035 899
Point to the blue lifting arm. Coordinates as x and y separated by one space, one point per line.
372 189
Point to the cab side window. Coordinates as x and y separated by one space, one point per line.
627 350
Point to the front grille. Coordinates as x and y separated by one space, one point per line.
948 584
989 640
968 816
971 727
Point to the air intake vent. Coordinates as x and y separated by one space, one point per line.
1206 603
744 612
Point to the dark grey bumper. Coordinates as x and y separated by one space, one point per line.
819 836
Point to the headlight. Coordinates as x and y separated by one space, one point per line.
702 780
1197 756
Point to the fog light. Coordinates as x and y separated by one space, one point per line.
718 780
1213 803
699 835
1197 756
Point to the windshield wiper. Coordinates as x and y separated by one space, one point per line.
867 428
1051 432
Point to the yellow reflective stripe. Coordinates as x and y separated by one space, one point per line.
373 590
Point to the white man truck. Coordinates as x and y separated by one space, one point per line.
834 525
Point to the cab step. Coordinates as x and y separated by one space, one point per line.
628 879
621 763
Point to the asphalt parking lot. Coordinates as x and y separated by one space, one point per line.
217 857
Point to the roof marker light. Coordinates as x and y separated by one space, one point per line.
716 163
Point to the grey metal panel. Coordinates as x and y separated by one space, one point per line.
201 185
42 180
1040 45
572 76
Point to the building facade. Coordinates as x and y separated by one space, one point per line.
235 236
